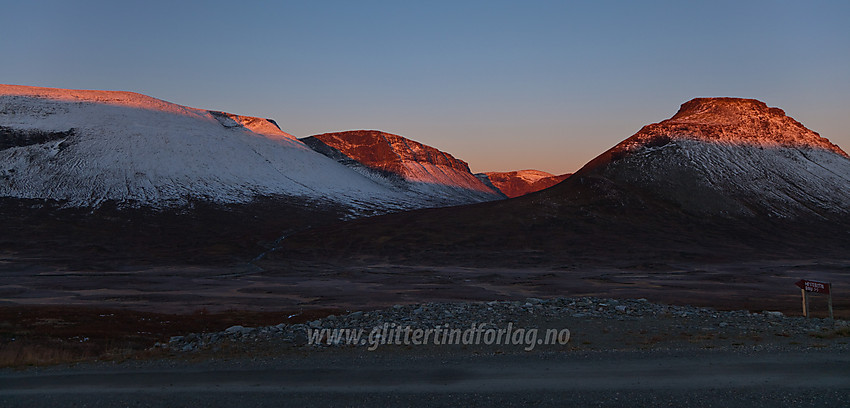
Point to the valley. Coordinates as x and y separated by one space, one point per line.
141 233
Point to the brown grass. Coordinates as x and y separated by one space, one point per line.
832 334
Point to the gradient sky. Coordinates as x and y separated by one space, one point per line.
501 85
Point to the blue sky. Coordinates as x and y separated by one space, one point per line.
502 85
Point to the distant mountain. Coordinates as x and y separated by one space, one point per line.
724 178
423 171
521 182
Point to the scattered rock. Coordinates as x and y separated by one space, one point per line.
236 330
682 319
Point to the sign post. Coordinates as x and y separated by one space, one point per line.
814 287
805 303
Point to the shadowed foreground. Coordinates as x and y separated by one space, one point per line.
683 379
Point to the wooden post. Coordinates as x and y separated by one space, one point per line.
805 303
830 302
808 305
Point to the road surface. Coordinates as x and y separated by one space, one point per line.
355 378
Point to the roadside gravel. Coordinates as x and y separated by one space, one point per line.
590 324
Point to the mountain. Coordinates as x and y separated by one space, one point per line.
84 148
723 179
104 175
731 156
409 166
521 182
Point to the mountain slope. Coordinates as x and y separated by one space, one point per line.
732 156
88 147
521 182
103 178
723 179
405 164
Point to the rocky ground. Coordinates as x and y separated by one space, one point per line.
590 323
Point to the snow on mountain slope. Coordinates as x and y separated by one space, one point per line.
521 182
725 179
87 147
405 164
732 156
529 175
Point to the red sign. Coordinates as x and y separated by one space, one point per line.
813 286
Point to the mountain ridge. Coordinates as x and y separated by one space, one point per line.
407 164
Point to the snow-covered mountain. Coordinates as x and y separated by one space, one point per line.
407 165
731 156
520 182
84 148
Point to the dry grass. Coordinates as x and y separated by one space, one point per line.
832 334
21 354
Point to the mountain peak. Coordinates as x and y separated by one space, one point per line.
731 156
521 182
732 121
724 109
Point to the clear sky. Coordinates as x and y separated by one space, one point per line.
502 85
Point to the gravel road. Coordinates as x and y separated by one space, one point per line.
360 378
